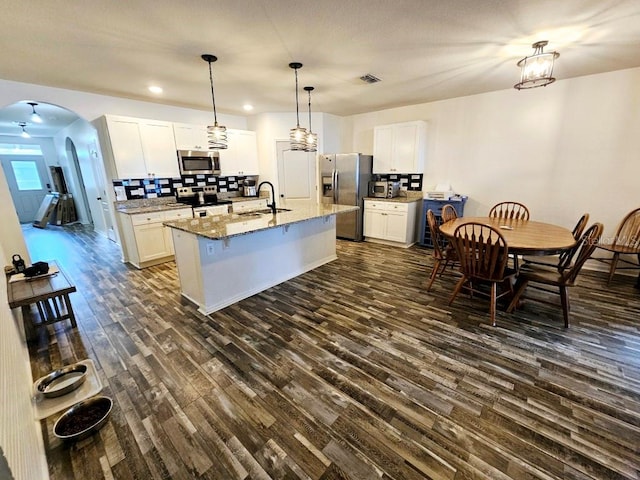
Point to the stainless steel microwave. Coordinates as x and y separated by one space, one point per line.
384 189
194 162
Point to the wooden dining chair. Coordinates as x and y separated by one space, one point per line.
561 279
448 213
625 242
483 254
559 261
444 254
509 211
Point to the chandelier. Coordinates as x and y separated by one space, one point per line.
537 69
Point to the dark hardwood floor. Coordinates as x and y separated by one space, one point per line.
351 371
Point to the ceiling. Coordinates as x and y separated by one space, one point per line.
422 50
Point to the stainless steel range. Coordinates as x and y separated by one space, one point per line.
204 200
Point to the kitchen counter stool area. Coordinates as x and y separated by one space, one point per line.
351 370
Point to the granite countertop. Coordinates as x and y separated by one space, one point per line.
403 199
219 227
161 207
148 205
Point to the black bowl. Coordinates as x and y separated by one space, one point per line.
83 419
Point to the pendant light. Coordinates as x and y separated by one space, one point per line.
298 135
217 133
24 133
311 141
35 116
537 69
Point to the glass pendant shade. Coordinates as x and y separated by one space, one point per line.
35 116
24 133
298 138
311 140
297 135
217 134
217 137
537 69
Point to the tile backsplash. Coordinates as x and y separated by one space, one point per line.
408 181
137 188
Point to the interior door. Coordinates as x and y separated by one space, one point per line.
297 173
28 183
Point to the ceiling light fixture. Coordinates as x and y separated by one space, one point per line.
155 89
311 141
24 133
35 116
298 135
537 69
217 133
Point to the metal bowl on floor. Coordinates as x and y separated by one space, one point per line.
62 381
83 419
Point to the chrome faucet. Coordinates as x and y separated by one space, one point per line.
272 206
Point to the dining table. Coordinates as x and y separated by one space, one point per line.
524 237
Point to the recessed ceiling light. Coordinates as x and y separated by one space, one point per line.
247 107
155 89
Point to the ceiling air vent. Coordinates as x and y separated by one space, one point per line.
368 78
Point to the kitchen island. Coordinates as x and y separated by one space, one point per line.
224 259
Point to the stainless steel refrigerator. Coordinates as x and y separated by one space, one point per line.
345 181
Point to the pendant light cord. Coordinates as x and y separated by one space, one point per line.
309 92
213 97
297 110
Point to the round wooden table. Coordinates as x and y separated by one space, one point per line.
524 237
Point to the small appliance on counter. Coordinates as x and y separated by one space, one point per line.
384 189
249 188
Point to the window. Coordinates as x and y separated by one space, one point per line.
26 173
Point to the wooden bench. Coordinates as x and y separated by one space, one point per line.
50 293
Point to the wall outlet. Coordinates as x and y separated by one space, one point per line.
210 249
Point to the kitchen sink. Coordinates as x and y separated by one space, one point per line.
268 210
249 214
262 211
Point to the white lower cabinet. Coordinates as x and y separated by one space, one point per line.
145 240
388 222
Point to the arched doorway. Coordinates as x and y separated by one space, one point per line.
66 141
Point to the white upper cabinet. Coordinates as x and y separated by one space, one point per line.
159 147
399 147
126 147
241 157
190 136
141 148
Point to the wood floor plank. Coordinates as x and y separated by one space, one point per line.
350 371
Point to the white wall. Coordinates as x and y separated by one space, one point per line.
11 239
20 435
91 106
270 127
563 150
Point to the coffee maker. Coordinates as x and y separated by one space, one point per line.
249 188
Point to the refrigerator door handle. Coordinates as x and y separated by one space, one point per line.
335 186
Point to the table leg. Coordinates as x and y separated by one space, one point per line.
72 317
27 321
